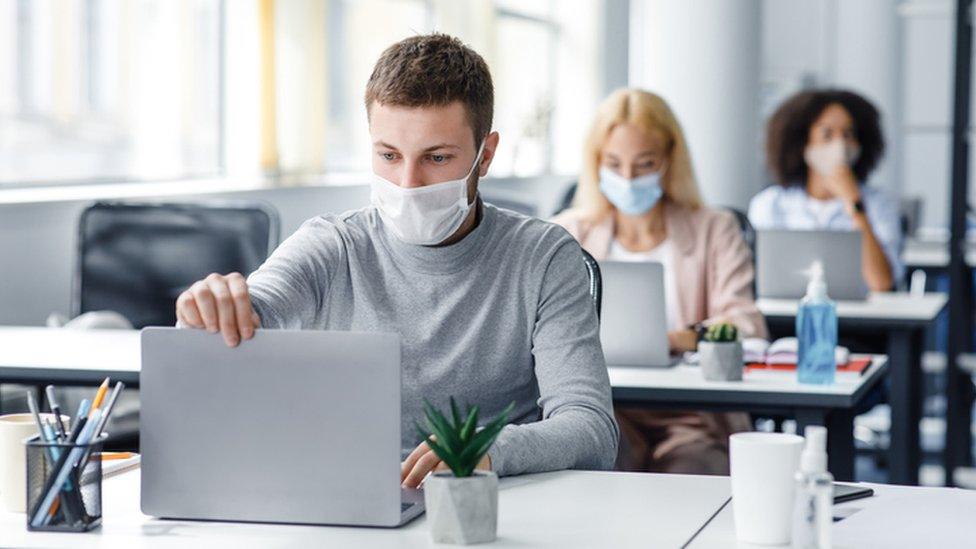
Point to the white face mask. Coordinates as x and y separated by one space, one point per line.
425 215
825 158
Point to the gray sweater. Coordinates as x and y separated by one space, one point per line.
503 315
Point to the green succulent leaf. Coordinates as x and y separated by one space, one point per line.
722 333
460 444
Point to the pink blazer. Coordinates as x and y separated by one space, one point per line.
713 267
711 262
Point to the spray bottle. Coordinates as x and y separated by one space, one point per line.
816 331
813 506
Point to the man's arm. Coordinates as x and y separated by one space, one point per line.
578 430
285 292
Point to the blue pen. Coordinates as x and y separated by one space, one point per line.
53 452
41 516
83 408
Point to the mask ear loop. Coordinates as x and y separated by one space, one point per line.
471 172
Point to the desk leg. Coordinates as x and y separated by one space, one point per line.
905 370
840 438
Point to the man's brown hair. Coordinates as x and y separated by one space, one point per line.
434 70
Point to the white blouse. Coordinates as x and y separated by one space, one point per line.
792 208
660 254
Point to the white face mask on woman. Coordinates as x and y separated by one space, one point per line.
825 158
425 215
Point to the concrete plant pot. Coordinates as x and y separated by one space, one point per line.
720 361
462 511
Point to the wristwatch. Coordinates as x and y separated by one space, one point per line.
699 329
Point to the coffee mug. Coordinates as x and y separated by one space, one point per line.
763 466
15 429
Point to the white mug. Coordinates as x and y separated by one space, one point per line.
15 429
763 466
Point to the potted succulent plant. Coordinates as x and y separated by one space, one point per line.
720 353
462 504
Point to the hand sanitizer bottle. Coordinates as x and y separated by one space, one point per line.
816 330
813 514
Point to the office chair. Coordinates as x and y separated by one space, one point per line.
136 258
567 200
749 236
596 281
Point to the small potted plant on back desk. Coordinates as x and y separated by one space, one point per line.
720 353
462 504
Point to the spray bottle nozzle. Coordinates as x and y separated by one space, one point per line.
817 285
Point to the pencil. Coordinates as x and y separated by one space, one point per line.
99 396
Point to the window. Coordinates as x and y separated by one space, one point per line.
358 32
138 90
109 90
543 61
525 76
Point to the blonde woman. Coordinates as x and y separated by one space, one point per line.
637 200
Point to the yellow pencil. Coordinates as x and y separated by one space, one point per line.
99 396
107 456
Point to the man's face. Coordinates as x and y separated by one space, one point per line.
420 146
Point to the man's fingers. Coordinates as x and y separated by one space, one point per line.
256 320
206 305
411 460
225 309
186 311
424 465
242 304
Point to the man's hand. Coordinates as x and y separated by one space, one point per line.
422 461
219 303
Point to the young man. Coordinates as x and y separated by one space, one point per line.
492 307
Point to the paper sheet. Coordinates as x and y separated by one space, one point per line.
917 519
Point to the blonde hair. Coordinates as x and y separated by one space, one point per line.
650 113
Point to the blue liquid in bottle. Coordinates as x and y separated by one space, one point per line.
816 332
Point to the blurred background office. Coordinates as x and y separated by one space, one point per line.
261 100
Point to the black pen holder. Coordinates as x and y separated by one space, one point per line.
64 485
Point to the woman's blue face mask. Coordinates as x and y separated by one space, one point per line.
631 196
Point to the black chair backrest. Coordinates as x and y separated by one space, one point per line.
749 236
596 280
567 200
136 258
748 232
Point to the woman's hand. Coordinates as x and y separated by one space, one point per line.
842 184
681 341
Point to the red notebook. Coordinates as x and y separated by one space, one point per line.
858 366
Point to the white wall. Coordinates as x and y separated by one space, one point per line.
703 57
38 243
899 54
38 240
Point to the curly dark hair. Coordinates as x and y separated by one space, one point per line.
789 129
434 69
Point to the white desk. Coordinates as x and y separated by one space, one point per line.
561 510
880 308
955 532
771 392
55 355
933 254
899 320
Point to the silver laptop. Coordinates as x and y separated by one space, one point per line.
783 256
633 325
291 426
